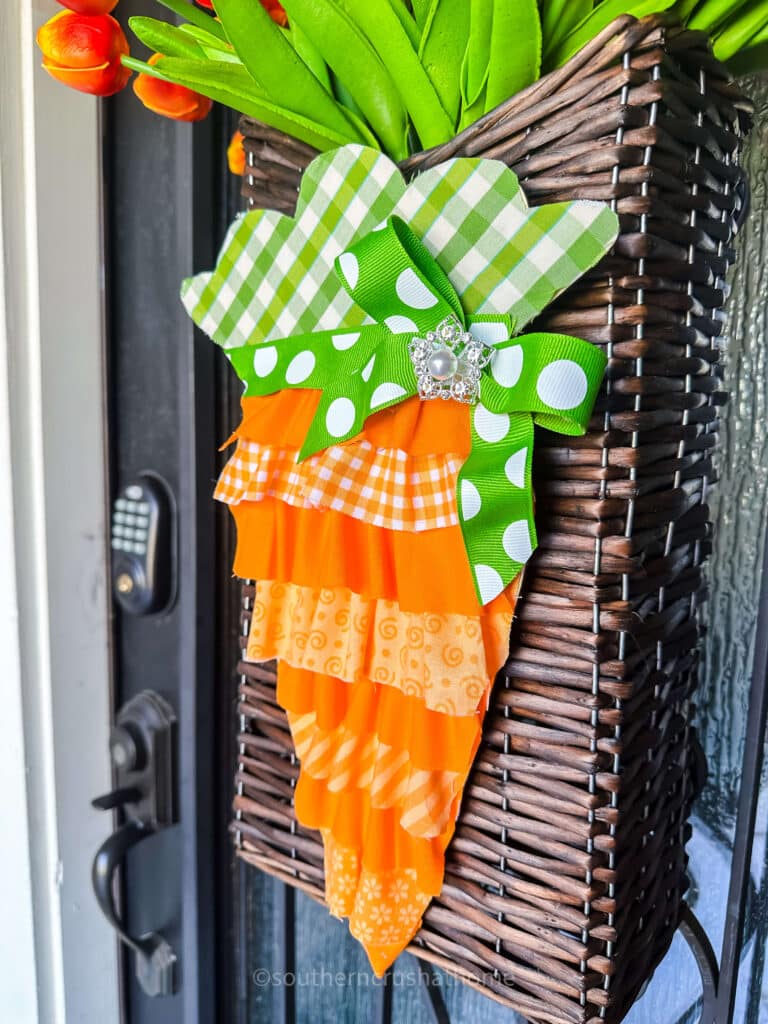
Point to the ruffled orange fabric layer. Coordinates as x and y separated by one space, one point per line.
385 656
411 492
440 658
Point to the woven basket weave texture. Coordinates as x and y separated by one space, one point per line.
566 876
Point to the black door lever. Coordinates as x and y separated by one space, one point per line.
143 748
156 962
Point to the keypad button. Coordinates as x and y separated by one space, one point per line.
134 492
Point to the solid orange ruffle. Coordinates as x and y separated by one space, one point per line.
446 660
426 572
412 426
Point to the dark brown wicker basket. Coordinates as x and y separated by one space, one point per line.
565 879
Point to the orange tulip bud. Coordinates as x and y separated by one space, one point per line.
274 9
169 99
89 7
236 154
84 52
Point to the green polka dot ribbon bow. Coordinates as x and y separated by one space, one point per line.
424 342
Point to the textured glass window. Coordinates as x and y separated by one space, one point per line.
741 518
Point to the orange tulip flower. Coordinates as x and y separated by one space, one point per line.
236 154
169 99
89 7
84 52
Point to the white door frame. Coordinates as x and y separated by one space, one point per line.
58 957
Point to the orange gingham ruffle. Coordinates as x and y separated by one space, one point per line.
385 487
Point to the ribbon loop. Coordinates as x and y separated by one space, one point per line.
392 276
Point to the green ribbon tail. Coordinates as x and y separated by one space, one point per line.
551 380
495 504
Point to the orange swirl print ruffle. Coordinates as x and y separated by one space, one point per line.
440 658
385 657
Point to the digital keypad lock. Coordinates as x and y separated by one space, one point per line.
142 539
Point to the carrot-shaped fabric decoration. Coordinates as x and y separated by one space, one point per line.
381 484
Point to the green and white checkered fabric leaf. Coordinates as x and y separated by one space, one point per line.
275 274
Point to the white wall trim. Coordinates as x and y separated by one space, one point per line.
58 960
18 986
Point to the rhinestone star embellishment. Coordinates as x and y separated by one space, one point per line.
449 362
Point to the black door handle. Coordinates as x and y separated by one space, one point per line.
155 960
143 748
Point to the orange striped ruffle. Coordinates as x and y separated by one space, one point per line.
343 760
376 832
425 571
363 750
446 660
435 741
385 487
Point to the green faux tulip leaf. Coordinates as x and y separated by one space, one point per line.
166 39
231 85
443 43
711 15
213 47
187 10
353 60
559 18
421 12
311 56
742 30
381 25
272 62
408 22
515 51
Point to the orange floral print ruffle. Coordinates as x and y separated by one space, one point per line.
384 908
386 657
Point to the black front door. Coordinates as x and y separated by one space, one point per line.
245 949
168 198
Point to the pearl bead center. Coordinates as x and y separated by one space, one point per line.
442 364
